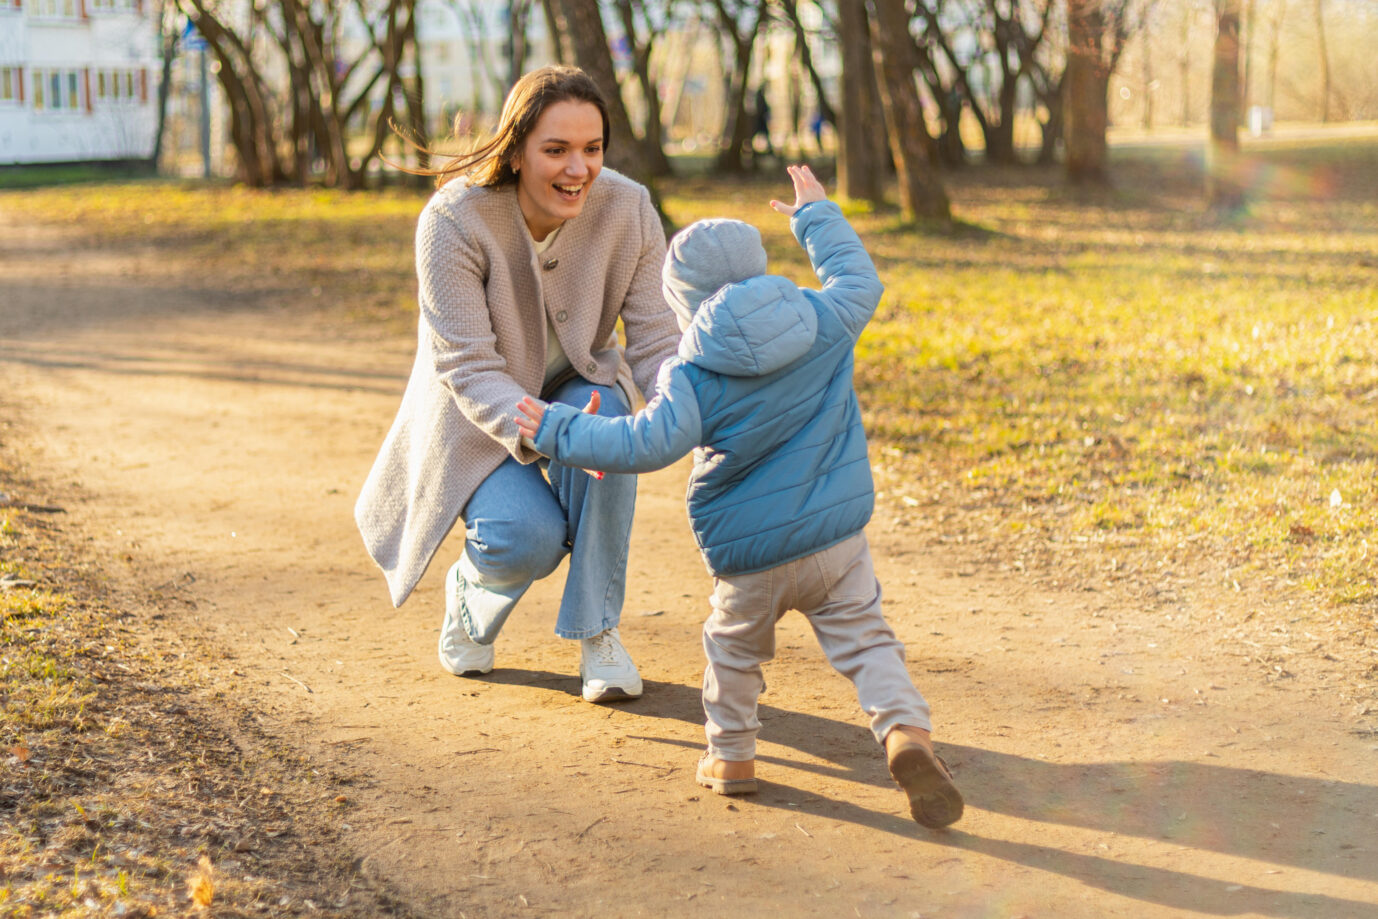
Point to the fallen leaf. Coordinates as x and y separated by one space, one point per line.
201 885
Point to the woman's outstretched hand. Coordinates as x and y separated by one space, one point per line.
533 410
807 189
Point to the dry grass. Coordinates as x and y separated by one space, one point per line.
124 792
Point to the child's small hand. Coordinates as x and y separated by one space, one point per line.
533 410
529 421
807 189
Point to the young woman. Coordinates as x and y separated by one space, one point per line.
527 255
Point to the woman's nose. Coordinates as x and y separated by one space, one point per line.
577 165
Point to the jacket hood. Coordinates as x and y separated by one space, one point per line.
750 329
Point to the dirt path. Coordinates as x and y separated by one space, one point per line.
1208 757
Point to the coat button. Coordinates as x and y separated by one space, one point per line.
590 367
550 263
561 316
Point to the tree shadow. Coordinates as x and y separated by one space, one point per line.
186 363
1191 893
1293 821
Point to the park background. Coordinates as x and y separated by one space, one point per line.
1126 350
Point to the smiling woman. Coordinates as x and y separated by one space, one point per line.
528 255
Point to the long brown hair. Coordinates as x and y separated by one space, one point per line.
490 163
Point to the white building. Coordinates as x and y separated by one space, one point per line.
78 80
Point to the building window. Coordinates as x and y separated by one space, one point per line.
55 9
113 6
56 90
119 86
11 86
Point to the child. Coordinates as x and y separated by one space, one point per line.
781 487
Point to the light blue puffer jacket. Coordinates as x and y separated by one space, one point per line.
762 386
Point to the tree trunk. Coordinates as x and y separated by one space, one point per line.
1052 130
518 18
921 193
1246 86
558 30
594 57
737 127
1325 61
1224 189
1281 10
859 168
416 118
167 41
251 122
1147 78
801 44
1086 84
1184 66
653 141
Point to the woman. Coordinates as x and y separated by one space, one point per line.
527 255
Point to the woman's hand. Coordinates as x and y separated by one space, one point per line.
533 410
807 190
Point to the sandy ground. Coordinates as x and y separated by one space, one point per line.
1211 756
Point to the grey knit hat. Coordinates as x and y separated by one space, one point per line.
706 256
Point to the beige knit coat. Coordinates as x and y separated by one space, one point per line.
484 299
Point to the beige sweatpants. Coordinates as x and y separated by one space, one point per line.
836 589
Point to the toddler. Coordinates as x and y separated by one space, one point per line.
761 390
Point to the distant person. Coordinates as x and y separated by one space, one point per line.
527 255
761 121
816 128
781 489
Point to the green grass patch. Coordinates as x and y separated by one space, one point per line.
42 175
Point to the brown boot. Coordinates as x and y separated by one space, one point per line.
933 800
726 777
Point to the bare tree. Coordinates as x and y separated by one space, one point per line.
739 24
805 53
325 93
1184 63
561 46
1246 86
1324 60
643 28
1097 31
977 54
1223 188
1146 77
252 116
911 146
860 169
1279 11
584 21
518 28
167 46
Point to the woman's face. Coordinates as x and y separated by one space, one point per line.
557 164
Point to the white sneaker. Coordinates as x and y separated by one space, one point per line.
607 669
460 654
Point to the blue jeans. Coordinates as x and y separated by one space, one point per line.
519 524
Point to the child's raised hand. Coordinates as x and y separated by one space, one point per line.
807 189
